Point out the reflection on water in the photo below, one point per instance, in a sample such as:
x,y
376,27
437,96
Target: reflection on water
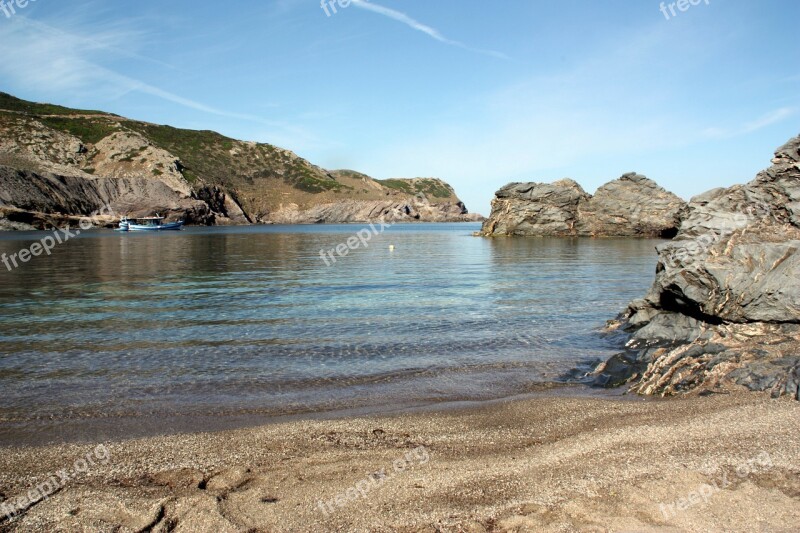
x,y
213,321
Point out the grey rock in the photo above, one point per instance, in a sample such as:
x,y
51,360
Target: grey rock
x,y
727,293
618,370
632,206
540,209
666,326
42,200
222,203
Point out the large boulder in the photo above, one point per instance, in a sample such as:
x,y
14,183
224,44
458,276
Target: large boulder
x,y
725,305
632,206
540,209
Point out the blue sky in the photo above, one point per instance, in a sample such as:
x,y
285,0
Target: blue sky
x,y
478,93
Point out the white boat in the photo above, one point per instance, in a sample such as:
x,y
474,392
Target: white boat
x,y
155,223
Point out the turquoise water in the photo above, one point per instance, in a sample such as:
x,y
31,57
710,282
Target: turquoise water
x,y
221,322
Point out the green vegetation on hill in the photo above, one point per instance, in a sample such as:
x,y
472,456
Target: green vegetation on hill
x,y
260,177
399,185
88,130
427,186
206,156
352,174
11,103
223,161
170,138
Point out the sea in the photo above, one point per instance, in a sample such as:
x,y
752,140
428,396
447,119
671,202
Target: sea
x,y
120,335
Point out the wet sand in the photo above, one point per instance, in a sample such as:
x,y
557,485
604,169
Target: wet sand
x,y
722,463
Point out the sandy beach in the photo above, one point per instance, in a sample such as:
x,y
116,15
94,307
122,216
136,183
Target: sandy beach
x,y
726,462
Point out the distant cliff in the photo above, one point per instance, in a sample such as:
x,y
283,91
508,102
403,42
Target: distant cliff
x,y
57,162
632,206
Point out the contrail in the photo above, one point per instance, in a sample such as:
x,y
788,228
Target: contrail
x,y
416,25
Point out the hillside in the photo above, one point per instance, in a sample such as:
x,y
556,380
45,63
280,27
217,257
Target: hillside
x,y
56,161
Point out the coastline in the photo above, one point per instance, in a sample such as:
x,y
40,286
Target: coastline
x,y
112,223
547,463
96,429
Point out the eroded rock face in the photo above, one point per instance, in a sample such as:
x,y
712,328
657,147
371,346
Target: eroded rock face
x,y
632,206
128,155
39,148
540,209
36,201
725,306
227,209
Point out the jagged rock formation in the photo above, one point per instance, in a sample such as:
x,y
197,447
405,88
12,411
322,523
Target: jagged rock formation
x,y
725,306
57,162
541,209
632,206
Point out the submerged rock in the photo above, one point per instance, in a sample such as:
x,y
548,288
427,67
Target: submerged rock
x,y
725,306
632,206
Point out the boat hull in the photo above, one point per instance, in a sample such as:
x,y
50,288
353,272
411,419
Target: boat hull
x,y
172,226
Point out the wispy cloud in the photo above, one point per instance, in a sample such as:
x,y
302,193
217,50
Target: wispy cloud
x,y
101,43
764,121
419,26
773,117
58,61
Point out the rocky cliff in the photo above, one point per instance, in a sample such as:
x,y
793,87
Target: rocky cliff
x,y
59,162
724,310
632,206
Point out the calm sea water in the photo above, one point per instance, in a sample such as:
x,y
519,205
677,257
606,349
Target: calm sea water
x,y
114,332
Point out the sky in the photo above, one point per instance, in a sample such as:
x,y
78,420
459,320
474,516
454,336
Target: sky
x,y
477,93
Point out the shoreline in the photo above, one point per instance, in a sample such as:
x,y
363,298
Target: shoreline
x,y
112,224
95,430
547,463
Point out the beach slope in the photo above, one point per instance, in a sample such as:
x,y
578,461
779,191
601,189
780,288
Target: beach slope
x,y
720,463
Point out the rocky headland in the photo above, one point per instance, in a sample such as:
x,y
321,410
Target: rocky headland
x,y
724,310
631,206
57,163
